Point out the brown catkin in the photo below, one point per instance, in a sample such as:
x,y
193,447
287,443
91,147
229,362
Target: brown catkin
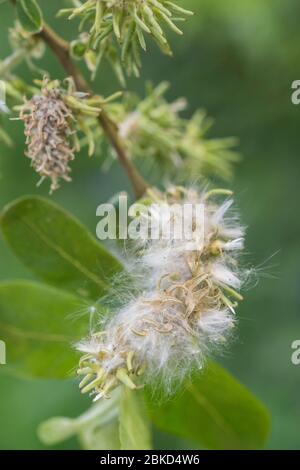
x,y
48,127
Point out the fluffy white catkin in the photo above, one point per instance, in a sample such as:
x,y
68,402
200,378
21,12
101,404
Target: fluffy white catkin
x,y
186,306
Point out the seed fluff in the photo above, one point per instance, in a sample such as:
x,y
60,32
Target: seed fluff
x,y
185,307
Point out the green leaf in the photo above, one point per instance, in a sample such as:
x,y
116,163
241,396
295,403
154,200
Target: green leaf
x,y
57,248
96,429
91,437
56,430
134,427
100,437
30,15
215,411
39,325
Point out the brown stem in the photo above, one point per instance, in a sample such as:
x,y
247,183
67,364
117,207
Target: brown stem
x,y
61,49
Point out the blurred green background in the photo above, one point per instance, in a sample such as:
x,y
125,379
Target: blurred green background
x,y
237,60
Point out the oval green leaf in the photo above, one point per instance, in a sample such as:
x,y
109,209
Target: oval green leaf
x,y
30,15
39,325
215,411
57,247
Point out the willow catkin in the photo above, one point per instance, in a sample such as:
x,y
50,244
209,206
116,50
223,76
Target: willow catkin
x,y
48,127
186,308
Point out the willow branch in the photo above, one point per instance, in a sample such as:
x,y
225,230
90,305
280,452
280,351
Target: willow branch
x,y
61,49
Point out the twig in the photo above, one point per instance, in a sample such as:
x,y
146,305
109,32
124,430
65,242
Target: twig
x,y
61,49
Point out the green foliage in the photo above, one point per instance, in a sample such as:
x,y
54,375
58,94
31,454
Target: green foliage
x,y
57,248
157,135
39,325
29,15
134,427
96,429
25,47
118,423
100,437
56,430
215,411
114,25
42,322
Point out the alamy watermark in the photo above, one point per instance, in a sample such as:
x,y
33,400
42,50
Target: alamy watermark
x,y
157,221
295,357
295,97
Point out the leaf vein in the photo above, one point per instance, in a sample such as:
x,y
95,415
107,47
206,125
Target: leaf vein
x,y
70,259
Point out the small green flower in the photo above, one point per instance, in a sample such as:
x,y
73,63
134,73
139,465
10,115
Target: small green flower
x,y
124,25
157,135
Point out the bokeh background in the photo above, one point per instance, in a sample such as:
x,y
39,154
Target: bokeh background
x,y
237,60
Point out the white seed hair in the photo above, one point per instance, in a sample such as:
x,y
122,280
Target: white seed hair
x,y
186,305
